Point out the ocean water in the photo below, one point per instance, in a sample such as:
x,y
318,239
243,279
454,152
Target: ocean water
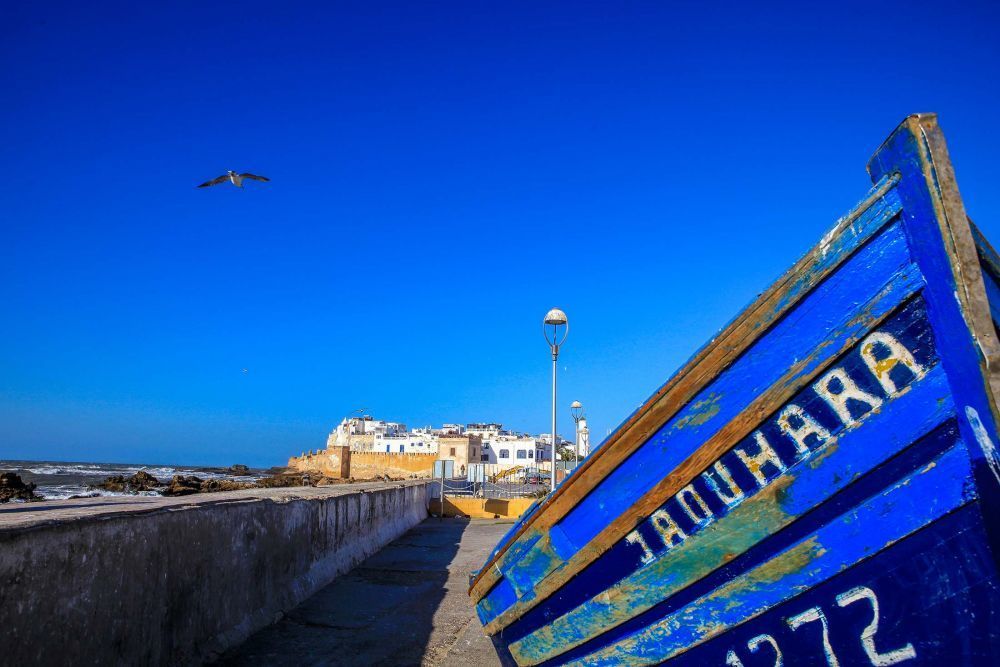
x,y
65,479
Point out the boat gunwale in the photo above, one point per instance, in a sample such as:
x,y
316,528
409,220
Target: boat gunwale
x,y
964,256
760,316
968,258
729,435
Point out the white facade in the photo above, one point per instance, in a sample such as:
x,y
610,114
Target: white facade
x,y
486,430
509,450
500,446
410,443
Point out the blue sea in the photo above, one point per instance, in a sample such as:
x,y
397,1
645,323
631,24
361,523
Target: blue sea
x,y
65,479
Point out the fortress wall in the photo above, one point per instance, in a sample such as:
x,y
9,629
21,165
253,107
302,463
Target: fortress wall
x,y
367,465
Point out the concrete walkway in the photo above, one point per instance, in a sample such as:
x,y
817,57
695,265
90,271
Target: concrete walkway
x,y
406,605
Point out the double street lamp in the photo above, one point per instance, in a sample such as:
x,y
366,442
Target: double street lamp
x,y
555,328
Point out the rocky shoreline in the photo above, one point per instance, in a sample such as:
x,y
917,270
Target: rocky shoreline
x,y
13,488
182,485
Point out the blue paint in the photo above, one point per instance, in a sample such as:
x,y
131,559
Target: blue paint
x,y
993,294
891,498
855,454
837,300
889,278
933,616
858,534
896,469
910,327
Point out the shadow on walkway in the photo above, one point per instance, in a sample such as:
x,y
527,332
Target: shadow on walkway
x,y
406,605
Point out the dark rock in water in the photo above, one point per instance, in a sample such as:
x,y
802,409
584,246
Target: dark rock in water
x,y
12,487
285,479
182,486
239,470
141,481
213,485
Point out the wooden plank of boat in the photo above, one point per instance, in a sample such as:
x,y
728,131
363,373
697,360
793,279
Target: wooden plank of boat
x,y
819,484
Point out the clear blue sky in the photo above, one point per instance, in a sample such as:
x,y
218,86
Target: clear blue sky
x,y
442,174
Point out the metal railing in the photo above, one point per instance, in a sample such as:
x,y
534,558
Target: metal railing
x,y
462,487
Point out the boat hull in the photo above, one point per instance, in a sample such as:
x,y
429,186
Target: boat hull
x,y
818,485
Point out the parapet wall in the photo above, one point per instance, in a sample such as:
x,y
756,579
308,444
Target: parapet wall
x,y
158,581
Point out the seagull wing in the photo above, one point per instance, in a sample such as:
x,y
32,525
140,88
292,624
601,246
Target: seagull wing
x,y
256,177
215,181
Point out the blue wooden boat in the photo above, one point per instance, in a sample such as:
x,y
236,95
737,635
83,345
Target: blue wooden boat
x,y
818,485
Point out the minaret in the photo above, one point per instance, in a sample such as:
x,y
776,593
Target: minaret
x,y
583,437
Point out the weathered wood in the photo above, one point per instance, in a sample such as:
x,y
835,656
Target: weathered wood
x,y
692,377
767,402
823,440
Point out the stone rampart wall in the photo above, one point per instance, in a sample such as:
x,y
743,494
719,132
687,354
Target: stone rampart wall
x,y
368,465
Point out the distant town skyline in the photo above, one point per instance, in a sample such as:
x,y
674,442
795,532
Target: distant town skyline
x,y
441,176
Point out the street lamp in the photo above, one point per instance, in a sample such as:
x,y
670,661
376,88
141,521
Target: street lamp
x,y
577,409
555,335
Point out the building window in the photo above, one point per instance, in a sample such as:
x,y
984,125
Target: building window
x,y
504,454
387,449
531,453
484,457
452,451
521,454
401,449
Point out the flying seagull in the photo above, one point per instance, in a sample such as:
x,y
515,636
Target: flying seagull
x,y
234,178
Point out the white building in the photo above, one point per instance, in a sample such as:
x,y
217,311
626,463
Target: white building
x,y
510,450
486,430
409,443
545,439
500,446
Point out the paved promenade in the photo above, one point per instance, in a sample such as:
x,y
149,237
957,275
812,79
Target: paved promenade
x,y
406,605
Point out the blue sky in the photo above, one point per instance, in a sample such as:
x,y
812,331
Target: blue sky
x,y
442,174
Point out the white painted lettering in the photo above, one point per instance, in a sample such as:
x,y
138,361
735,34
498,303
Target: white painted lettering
x,y
721,482
806,427
754,644
881,368
849,391
687,497
765,455
635,537
816,614
868,634
667,528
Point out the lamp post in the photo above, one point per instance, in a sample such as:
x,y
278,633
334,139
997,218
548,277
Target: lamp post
x,y
555,328
577,409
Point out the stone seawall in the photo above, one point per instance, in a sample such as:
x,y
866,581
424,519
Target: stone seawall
x,y
177,580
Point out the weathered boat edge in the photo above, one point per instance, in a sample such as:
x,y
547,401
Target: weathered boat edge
x,y
762,313
953,262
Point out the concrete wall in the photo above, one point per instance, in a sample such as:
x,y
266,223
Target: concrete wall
x,y
483,508
367,465
177,580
